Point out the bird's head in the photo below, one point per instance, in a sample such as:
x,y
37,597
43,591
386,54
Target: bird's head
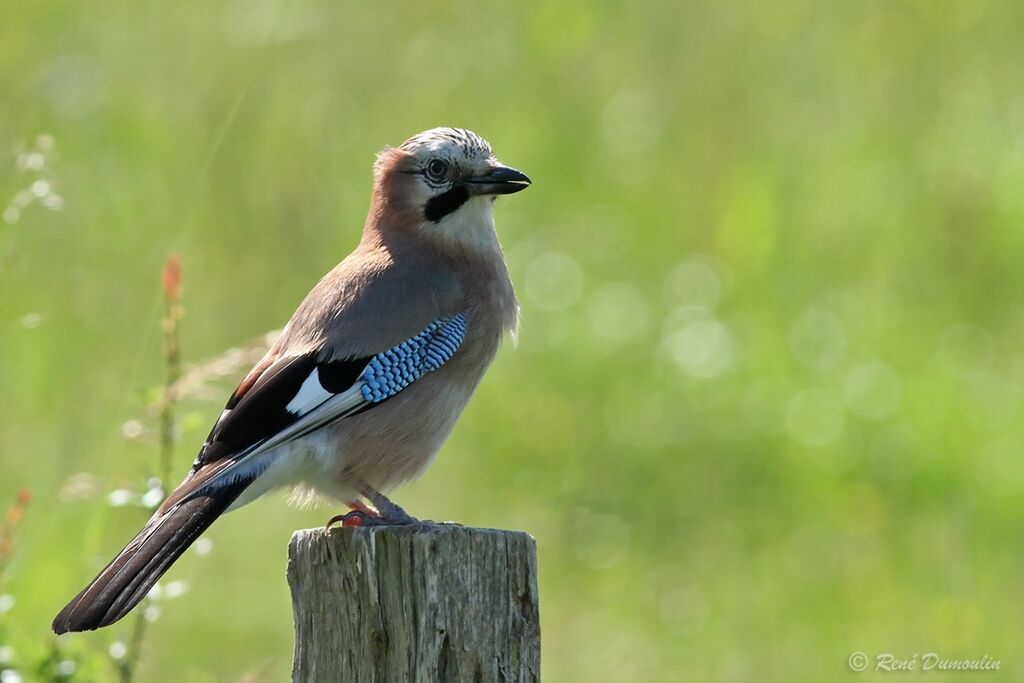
x,y
443,182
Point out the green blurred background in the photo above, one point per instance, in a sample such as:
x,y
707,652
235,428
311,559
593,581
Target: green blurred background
x,y
765,405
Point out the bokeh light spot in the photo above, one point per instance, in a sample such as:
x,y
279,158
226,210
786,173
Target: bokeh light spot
x,y
696,282
872,390
817,339
702,349
31,321
600,540
814,418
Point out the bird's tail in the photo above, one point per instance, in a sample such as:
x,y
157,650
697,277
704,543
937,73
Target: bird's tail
x,y
127,579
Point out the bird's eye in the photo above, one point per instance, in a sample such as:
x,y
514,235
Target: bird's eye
x,y
436,169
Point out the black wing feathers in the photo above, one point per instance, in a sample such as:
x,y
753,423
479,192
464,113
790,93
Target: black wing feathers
x,y
337,376
261,411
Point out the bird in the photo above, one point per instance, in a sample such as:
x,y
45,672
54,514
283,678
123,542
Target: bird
x,y
367,378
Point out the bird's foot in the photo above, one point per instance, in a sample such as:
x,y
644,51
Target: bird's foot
x,y
349,520
383,513
361,512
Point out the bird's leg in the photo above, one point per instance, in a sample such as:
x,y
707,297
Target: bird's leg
x,y
388,513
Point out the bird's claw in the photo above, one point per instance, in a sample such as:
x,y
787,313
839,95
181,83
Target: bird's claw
x,y
354,519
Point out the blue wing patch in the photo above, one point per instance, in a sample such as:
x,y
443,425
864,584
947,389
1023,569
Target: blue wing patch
x,y
389,372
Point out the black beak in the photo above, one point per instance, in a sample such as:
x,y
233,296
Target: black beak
x,y
498,180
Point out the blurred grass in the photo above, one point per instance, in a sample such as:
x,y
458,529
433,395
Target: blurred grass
x,y
764,410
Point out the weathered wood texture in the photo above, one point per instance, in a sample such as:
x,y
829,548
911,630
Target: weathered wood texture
x,y
430,603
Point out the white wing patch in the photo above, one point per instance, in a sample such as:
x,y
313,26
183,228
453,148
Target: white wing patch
x,y
310,395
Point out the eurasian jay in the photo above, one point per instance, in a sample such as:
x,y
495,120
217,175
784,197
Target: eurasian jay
x,y
368,377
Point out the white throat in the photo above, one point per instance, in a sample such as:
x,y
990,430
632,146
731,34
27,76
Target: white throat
x,y
470,226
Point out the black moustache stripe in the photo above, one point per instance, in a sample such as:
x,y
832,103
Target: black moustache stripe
x,y
445,203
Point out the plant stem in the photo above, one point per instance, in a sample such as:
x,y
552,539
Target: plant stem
x,y
134,650
172,358
172,355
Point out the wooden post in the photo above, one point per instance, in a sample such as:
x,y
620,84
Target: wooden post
x,y
425,603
